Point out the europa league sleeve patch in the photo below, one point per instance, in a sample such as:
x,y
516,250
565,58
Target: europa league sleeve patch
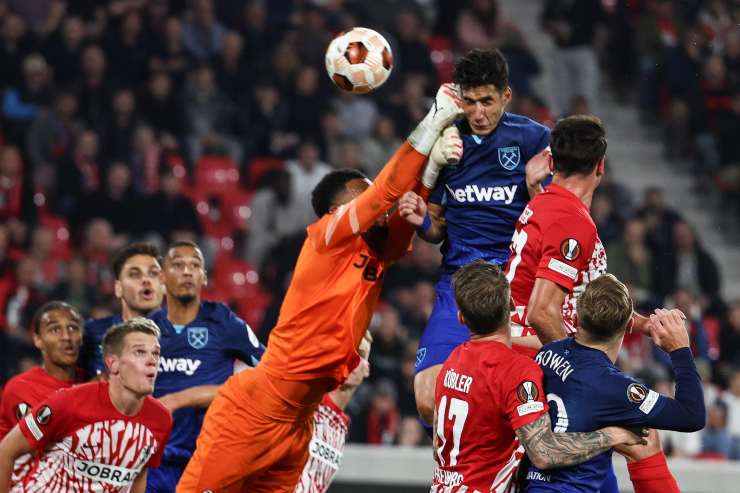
x,y
528,393
21,410
570,249
43,416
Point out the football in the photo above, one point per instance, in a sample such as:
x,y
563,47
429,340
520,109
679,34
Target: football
x,y
359,60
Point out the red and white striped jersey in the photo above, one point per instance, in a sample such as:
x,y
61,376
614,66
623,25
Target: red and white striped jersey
x,y
84,444
326,448
485,391
555,239
21,395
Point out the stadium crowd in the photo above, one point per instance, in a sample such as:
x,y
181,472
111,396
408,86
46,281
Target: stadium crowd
x,y
213,121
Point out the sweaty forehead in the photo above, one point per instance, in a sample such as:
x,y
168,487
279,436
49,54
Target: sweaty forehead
x,y
59,315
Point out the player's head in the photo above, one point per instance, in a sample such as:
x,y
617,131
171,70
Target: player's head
x,y
578,146
483,77
131,354
184,272
604,310
138,279
339,187
57,333
483,297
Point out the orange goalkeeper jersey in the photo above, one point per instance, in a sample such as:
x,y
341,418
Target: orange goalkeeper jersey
x,y
337,280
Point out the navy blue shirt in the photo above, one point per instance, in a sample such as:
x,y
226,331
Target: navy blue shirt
x,y
91,352
202,352
486,192
586,391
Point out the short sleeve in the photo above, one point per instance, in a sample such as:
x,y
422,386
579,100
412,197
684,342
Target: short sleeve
x,y
524,398
627,402
156,459
566,250
242,341
11,409
48,421
544,141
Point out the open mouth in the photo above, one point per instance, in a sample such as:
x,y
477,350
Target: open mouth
x,y
147,294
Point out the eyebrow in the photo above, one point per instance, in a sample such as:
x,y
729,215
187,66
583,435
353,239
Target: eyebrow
x,y
484,99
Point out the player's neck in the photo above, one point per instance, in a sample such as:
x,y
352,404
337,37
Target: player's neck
x,y
125,401
580,186
66,373
127,313
611,349
504,337
182,313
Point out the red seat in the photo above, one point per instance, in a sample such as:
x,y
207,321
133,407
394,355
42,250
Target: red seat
x,y
62,249
216,174
443,57
258,167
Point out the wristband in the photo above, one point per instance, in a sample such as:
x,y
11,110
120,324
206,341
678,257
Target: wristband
x,y
425,225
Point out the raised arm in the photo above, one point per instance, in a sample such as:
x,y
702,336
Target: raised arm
x,y
198,396
545,310
547,449
12,446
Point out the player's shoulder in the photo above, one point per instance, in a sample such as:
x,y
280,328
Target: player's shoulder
x,y
218,312
23,381
513,120
555,204
155,415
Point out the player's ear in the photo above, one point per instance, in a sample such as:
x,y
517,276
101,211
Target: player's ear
x,y
461,318
37,341
118,289
507,94
630,325
111,363
601,167
575,320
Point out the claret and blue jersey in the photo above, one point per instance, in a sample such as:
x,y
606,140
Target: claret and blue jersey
x,y
486,192
482,196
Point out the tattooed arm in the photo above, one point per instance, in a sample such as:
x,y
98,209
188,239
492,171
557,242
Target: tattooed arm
x,y
547,449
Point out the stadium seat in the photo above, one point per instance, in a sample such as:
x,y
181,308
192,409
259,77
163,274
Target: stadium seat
x,y
216,175
443,57
258,167
61,249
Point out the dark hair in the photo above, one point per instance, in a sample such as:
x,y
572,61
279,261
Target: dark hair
x,y
140,248
50,307
325,193
604,308
113,338
483,296
182,243
481,67
578,143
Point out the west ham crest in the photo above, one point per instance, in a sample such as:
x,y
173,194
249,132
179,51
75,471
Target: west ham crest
x,y
508,157
198,337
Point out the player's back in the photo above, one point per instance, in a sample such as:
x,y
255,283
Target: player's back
x,y
555,239
576,378
486,192
476,446
91,352
326,310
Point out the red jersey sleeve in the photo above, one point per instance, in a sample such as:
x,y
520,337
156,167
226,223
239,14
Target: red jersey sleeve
x,y
524,399
47,422
9,410
566,250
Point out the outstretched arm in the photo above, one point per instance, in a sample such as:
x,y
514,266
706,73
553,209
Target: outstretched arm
x,y
198,396
547,449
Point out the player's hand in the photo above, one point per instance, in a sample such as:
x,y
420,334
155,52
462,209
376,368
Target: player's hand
x,y
448,149
447,108
623,436
638,452
412,208
360,373
668,330
538,167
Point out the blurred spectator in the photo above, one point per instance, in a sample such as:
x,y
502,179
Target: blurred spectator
x,y
22,103
685,301
305,103
232,72
357,115
53,133
79,173
98,246
96,91
523,66
129,49
11,183
608,222
410,433
170,56
14,47
19,298
388,347
202,34
350,155
687,266
159,107
383,416
145,160
573,25
273,216
378,149
659,220
4,252
731,399
411,106
209,116
168,210
631,260
479,25
305,173
268,121
116,202
715,439
730,336
412,54
74,289
118,130
63,50
48,261
41,17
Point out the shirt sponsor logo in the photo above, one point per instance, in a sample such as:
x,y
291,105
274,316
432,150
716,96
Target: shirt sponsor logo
x,y
324,452
508,157
474,193
562,268
198,337
448,478
538,476
570,249
117,476
183,365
